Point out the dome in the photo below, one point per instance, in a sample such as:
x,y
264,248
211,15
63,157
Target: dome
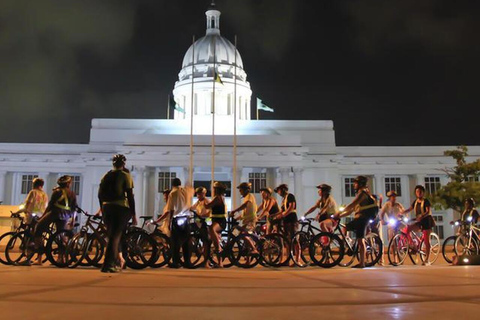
x,y
224,52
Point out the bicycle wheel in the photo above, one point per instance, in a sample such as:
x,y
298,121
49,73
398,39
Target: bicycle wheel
x,y
448,248
326,250
272,249
20,247
373,248
214,257
434,249
465,245
56,248
77,249
139,249
299,252
414,250
164,249
4,239
398,249
95,252
246,251
349,250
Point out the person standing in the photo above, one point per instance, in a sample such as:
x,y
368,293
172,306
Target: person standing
x,y
35,202
60,210
219,218
470,214
424,219
178,206
288,214
270,209
365,207
117,204
391,210
248,207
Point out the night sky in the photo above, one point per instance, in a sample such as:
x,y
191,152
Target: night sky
x,y
398,72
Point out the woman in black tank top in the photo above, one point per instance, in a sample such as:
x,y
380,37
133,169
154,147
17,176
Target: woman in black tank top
x,y
219,218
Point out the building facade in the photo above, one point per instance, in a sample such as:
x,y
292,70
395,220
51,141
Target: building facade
x,y
302,154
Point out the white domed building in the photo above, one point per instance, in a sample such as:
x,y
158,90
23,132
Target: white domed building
x,y
302,154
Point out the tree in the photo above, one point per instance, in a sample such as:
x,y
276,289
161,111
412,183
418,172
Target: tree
x,y
464,181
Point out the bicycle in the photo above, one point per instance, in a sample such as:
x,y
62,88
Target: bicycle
x,y
414,245
330,249
301,239
240,247
466,242
18,225
449,250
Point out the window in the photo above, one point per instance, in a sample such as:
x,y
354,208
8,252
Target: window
x,y
439,231
432,184
165,180
75,187
472,179
27,182
438,218
393,183
349,190
258,181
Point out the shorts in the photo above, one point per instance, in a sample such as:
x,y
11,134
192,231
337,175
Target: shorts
x,y
291,218
427,223
359,226
249,225
222,222
323,217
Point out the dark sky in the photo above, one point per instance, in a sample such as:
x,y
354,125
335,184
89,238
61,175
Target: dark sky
x,y
398,72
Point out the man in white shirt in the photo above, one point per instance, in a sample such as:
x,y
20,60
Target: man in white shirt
x,y
248,207
178,208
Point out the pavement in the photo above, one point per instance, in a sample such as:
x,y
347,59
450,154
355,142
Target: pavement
x,y
430,292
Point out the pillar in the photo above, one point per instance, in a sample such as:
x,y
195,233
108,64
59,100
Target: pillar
x,y
298,189
3,175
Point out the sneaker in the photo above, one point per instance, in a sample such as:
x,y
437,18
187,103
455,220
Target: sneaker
x,y
426,263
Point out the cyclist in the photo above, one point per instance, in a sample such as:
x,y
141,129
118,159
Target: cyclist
x,y
391,210
327,207
248,207
424,220
288,214
117,205
36,201
365,207
270,209
470,211
60,210
201,214
288,210
165,225
219,217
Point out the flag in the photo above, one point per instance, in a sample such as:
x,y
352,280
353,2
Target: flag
x,y
262,106
175,105
217,78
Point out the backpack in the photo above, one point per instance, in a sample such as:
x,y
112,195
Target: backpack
x,y
109,190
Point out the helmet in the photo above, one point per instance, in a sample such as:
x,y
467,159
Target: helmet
x,y
63,180
267,190
245,186
392,193
361,180
419,186
471,201
119,159
283,186
324,187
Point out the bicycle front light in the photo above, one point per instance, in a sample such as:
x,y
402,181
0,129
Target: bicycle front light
x,y
181,222
457,223
405,219
341,208
470,219
302,218
392,222
370,221
22,206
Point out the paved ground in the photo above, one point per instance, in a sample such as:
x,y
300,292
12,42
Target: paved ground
x,y
437,292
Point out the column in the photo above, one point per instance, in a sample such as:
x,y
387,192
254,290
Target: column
x,y
238,197
379,185
285,175
146,174
298,189
3,174
138,185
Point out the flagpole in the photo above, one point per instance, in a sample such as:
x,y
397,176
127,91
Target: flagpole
x,y
257,111
234,198
190,173
213,116
168,107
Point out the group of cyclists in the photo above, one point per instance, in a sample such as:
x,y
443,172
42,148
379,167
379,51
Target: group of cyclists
x,y
117,208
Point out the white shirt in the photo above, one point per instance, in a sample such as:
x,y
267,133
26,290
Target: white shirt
x,y
180,200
